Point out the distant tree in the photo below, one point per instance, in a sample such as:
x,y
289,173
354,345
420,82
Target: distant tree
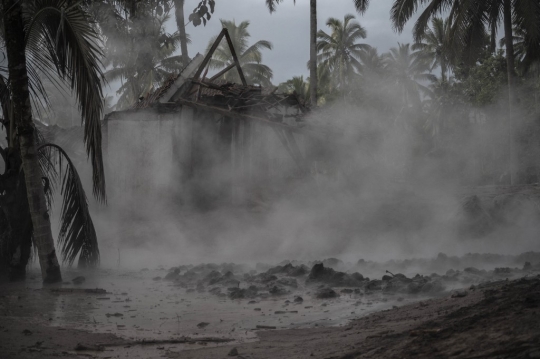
x,y
436,44
339,51
360,5
407,69
298,86
142,55
250,56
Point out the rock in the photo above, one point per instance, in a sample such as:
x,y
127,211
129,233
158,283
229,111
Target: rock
x,y
288,282
27,332
347,291
386,277
202,325
78,280
320,274
460,294
359,277
156,278
277,290
288,269
374,284
173,274
472,270
241,293
233,352
114,315
265,278
326,293
298,299
527,266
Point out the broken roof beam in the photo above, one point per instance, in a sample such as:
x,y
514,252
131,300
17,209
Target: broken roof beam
x,y
176,89
235,58
221,73
228,113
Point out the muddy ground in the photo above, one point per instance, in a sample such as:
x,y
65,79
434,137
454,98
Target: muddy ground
x,y
293,310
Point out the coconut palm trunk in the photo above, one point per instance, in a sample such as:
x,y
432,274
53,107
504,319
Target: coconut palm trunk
x,y
509,46
22,113
180,23
313,53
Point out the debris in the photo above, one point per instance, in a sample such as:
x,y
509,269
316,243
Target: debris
x,y
460,294
79,280
320,274
80,347
265,327
233,352
79,290
108,315
326,293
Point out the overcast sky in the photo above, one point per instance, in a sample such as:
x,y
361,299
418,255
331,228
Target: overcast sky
x,y
288,29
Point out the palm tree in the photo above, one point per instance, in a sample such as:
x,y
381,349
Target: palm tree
x,y
436,45
360,5
249,56
339,50
471,19
147,57
181,25
297,85
50,35
407,69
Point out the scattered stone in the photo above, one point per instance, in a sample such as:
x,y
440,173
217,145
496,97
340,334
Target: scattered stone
x,y
173,274
320,274
265,327
326,293
233,352
460,294
114,315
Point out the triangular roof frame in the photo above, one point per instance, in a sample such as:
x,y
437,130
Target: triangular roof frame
x,y
208,57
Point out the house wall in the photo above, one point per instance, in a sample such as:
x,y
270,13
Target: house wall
x,y
198,157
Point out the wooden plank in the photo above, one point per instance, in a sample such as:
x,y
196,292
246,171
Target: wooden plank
x,y
208,56
221,73
235,58
186,73
225,112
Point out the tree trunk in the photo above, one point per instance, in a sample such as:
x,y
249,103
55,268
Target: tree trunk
x,y
22,113
180,23
509,45
313,53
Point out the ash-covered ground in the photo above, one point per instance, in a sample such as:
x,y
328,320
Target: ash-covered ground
x,y
160,312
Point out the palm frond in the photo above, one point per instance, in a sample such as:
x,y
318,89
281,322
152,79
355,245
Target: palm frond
x,y
63,31
77,235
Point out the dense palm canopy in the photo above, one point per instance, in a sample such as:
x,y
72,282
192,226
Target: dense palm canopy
x,y
339,51
250,56
145,55
436,45
408,69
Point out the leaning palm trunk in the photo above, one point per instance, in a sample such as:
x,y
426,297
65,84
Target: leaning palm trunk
x,y
22,113
509,46
313,53
180,23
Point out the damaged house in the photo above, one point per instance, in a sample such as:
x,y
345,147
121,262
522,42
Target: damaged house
x,y
205,139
